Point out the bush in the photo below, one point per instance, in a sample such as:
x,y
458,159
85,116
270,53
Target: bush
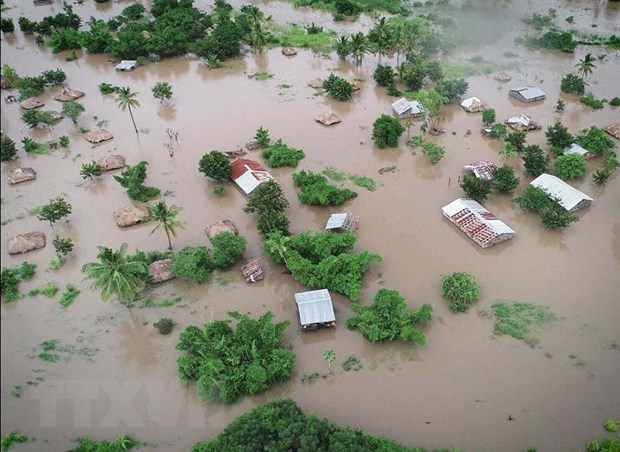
x,y
451,90
570,166
227,365
461,289
72,110
592,101
498,131
8,151
262,137
106,88
132,178
434,153
193,264
215,165
63,141
91,170
386,130
559,138
98,38
516,140
384,75
533,198
7,25
388,319
65,40
162,91
227,248
504,179
315,190
338,88
488,116
554,216
55,210
615,102
269,202
279,154
553,40
535,160
572,84
27,26
474,188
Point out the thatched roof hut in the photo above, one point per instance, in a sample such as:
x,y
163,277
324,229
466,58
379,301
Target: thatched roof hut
x,y
316,83
502,77
112,162
614,131
522,123
289,51
130,214
56,115
221,226
161,271
19,175
31,104
328,118
24,243
68,95
98,135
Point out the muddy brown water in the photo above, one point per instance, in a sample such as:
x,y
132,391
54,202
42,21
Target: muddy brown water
x,y
458,390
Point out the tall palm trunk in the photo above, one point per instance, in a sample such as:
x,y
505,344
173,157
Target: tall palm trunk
x,y
133,120
169,241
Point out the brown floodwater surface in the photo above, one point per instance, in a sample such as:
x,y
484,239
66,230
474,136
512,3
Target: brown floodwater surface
x,y
457,390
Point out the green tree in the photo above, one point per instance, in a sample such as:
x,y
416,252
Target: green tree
x,y
262,137
126,100
227,248
330,357
343,47
279,155
116,275
474,188
535,160
55,210
434,153
451,90
35,117
277,244
533,198
166,218
315,190
570,166
215,165
386,130
193,264
162,91
132,178
554,216
516,140
572,84
98,38
595,140
91,170
504,179
72,110
358,47
559,138
488,116
8,151
432,101
62,246
130,44
269,202
499,131
384,75
7,25
65,40
586,65
380,37
461,289
338,88
26,25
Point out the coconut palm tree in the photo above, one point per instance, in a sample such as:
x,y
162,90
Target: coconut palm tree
x,y
380,37
359,47
278,243
115,275
343,48
126,99
166,218
586,65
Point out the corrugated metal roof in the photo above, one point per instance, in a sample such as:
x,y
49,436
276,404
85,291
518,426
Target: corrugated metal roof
x,y
336,220
247,182
529,92
575,149
416,108
126,65
240,166
524,120
482,169
471,103
568,196
315,306
401,106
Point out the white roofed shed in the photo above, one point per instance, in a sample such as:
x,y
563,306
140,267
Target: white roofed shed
x,y
315,309
569,197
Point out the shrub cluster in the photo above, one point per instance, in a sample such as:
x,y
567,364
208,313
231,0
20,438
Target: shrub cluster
x,y
315,190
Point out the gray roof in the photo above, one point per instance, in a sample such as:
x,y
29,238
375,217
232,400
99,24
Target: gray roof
x,y
315,306
126,65
336,220
529,92
568,196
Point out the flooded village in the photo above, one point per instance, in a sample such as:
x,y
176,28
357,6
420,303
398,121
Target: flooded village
x,y
425,197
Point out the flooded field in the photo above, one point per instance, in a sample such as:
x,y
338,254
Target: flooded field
x,y
119,375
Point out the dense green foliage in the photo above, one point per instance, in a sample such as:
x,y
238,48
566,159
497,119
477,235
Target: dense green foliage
x,y
132,178
559,138
122,443
570,166
554,216
614,101
315,190
162,91
434,152
55,210
193,264
227,364
520,320
7,25
13,437
488,116
386,130
107,88
279,154
504,179
515,141
8,151
498,131
461,289
36,117
572,84
227,248
165,218
451,90
72,110
338,88
62,246
269,202
65,40
98,37
591,101
262,137
91,170
388,319
553,40
322,260
595,141
474,188
535,160
603,445
282,426
533,198
384,75
215,165
9,285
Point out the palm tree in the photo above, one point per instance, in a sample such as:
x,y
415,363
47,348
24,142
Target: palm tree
x,y
381,37
166,218
278,243
343,47
116,275
398,42
359,47
125,98
586,65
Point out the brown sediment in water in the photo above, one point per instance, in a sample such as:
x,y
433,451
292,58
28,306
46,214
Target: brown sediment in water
x,y
463,378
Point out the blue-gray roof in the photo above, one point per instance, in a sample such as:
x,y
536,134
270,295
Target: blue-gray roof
x,y
315,306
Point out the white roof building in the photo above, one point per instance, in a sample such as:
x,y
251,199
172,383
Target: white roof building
x,y
527,93
315,308
522,122
576,149
472,105
405,108
248,174
569,197
478,223
126,65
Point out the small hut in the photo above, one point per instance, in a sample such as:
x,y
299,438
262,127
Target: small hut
x,y
252,271
289,51
316,83
482,169
404,108
19,175
126,65
97,136
221,226
248,174
569,197
23,243
161,271
576,149
315,309
111,162
31,104
527,93
328,119
472,105
522,123
131,214
340,222
68,95
614,131
502,77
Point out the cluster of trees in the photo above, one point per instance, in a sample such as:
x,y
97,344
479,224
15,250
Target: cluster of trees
x,y
11,278
504,181
461,289
552,214
316,190
132,178
281,425
33,85
227,364
388,319
269,202
322,260
279,154
215,165
338,88
386,130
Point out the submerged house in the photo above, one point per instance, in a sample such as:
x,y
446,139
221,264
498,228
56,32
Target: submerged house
x,y
569,197
522,123
478,223
482,169
472,105
315,309
248,174
404,108
576,149
126,65
527,93
340,222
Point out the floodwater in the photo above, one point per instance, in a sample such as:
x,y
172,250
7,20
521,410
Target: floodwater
x,y
458,390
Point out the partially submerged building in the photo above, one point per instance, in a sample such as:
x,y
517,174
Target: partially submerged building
x,y
569,197
472,105
576,149
478,223
248,174
527,93
482,169
522,123
613,130
340,222
404,108
315,309
126,65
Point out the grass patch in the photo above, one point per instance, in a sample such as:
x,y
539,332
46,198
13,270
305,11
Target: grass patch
x,y
165,303
521,320
612,425
363,181
285,86
454,69
122,443
263,76
295,36
352,363
68,296
49,290
32,147
11,439
592,101
334,174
